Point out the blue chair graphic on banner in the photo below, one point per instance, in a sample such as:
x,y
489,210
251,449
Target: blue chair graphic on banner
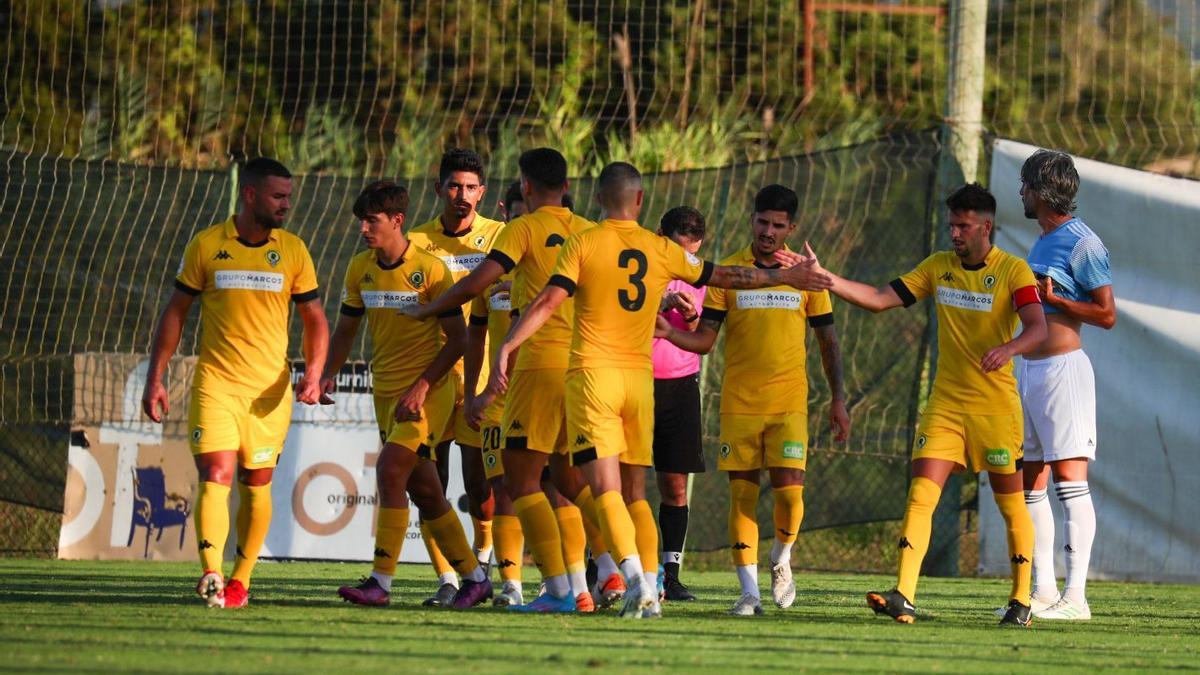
x,y
154,509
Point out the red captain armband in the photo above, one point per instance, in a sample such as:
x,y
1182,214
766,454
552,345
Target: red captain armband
x,y
1027,295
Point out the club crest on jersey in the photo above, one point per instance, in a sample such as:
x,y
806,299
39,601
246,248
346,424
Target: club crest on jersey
x,y
921,441
196,434
989,281
692,259
725,450
345,295
479,241
273,257
416,278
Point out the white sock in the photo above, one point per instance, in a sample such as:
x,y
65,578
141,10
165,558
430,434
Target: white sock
x,y
651,581
1079,530
675,557
606,566
516,585
748,578
484,556
631,567
477,574
448,578
1044,584
578,582
781,553
385,580
558,585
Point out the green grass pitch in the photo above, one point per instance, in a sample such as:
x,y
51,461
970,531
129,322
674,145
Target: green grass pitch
x,y
117,616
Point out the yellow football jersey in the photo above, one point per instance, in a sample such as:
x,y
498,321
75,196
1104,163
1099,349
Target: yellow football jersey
x,y
976,311
765,354
244,292
495,312
402,347
617,272
530,245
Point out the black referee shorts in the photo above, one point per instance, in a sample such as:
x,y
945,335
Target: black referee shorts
x,y
677,445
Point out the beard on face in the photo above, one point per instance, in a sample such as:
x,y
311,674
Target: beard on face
x,y
267,218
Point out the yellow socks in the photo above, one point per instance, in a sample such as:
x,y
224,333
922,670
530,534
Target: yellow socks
x,y
1020,542
923,497
451,538
510,547
253,520
483,539
743,524
541,533
212,524
789,512
574,544
391,526
441,566
646,533
616,525
591,521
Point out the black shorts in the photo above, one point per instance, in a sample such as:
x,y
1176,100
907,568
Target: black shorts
x,y
677,444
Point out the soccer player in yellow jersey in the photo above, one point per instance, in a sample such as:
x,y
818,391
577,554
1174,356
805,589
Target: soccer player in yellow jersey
x,y
617,272
534,423
413,396
764,395
460,236
973,419
245,271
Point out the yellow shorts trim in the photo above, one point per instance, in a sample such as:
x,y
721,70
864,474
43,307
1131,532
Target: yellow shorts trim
x,y
610,412
422,435
535,411
255,427
978,442
750,442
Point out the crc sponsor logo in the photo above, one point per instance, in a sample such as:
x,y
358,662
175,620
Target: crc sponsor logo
x,y
996,456
388,299
769,300
955,297
262,455
793,450
248,280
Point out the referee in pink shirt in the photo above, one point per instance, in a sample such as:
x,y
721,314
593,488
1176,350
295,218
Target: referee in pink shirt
x,y
677,446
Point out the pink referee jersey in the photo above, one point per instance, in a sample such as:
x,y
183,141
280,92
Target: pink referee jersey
x,y
670,361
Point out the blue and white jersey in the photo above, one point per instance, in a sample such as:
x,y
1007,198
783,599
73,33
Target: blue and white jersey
x,y
1074,257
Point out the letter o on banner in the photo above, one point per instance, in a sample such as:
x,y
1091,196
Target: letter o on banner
x,y
306,521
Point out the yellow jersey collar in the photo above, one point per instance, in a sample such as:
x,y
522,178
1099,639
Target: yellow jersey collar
x,y
232,233
621,224
747,256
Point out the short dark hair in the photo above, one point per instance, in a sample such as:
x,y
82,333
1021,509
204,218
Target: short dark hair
x,y
544,167
1051,175
776,197
971,197
618,175
513,194
460,159
255,171
684,221
382,196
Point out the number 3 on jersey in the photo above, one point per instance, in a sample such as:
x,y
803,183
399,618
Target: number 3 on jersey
x,y
634,258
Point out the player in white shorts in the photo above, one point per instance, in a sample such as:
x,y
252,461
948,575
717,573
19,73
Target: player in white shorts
x,y
1058,389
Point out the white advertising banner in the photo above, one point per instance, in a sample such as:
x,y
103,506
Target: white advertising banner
x,y
1146,477
130,484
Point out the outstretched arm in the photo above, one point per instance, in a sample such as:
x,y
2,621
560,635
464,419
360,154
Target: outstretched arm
x,y
699,341
166,340
339,350
831,362
484,275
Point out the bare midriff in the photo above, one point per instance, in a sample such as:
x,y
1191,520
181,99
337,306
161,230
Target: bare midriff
x,y
1062,336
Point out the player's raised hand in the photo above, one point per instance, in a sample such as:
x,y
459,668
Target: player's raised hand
x,y
328,386
839,420
996,358
308,389
1045,287
790,258
155,401
408,408
807,274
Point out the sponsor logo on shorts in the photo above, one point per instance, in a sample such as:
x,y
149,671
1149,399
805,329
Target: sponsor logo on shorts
x,y
248,280
955,297
793,450
724,450
989,281
581,440
196,434
921,440
490,460
388,299
997,456
273,257
417,279
769,300
515,426
261,455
